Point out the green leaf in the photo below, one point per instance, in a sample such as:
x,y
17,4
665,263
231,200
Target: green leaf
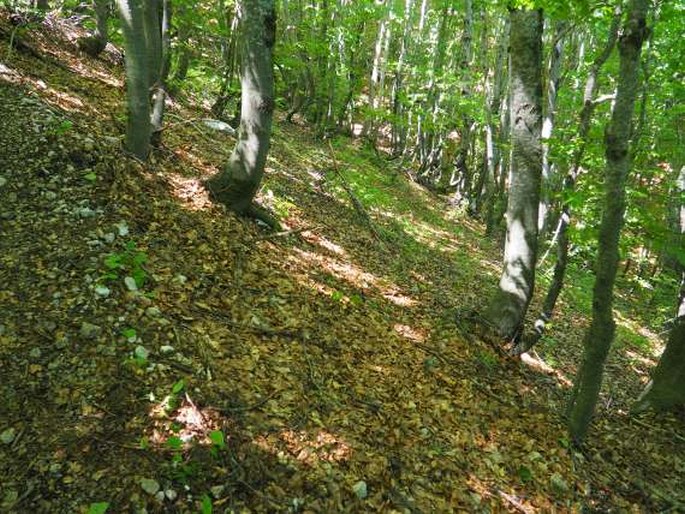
x,y
217,438
114,261
98,508
92,177
129,333
175,443
178,386
525,474
206,504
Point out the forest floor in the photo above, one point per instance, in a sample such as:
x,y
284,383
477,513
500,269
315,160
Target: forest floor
x,y
158,354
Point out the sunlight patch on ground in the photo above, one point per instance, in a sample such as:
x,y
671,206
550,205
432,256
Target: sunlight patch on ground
x,y
187,421
410,333
206,169
304,447
9,74
535,362
353,275
189,191
321,241
342,270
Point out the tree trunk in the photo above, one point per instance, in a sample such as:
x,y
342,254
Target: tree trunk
x,y
561,233
667,387
508,308
137,78
239,181
94,44
617,136
159,87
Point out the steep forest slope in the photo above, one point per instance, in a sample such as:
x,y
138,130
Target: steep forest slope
x,y
158,353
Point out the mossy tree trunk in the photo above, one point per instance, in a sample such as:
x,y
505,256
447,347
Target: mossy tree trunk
x,y
617,150
508,308
237,184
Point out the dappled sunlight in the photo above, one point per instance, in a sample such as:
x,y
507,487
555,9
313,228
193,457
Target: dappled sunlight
x,y
306,448
343,270
535,362
61,99
189,191
323,242
413,334
205,169
182,418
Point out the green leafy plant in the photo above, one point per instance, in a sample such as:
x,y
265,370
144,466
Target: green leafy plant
x,y
128,262
98,508
206,505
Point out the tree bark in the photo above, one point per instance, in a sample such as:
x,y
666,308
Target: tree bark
x,y
667,387
239,181
137,77
617,136
561,233
508,308
95,43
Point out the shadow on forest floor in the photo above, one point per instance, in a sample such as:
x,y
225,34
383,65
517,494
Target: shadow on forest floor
x,y
152,343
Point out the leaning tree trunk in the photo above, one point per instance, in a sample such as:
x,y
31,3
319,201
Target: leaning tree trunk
x,y
617,136
508,308
239,181
137,85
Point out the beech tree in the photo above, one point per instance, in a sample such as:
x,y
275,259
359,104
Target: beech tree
x,y
508,308
666,389
599,336
236,185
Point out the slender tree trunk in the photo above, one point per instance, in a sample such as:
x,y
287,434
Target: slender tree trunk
x,y
508,308
617,136
95,44
159,88
137,78
239,181
561,234
553,81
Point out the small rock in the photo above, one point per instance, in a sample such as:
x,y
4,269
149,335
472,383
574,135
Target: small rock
x,y
153,312
35,353
122,228
180,279
8,436
558,483
167,349
217,491
103,291
85,212
149,485
130,284
141,352
109,237
160,496
360,489
89,331
171,494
